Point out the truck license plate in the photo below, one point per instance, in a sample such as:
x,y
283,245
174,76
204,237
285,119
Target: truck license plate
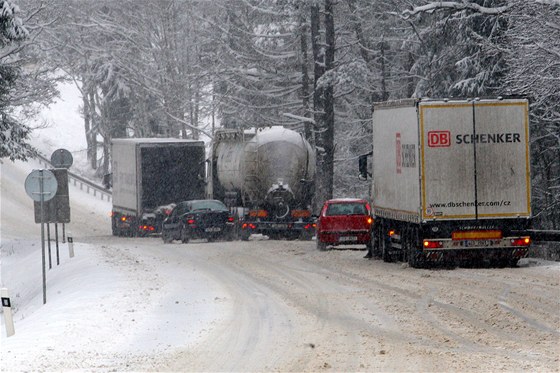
x,y
213,229
347,238
477,243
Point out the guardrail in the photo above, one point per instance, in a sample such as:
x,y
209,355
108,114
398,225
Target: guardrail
x,y
545,235
89,186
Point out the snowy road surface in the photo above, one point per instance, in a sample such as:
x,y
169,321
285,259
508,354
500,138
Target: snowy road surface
x,y
138,305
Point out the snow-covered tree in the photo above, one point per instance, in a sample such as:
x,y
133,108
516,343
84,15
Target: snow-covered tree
x,y
534,71
13,135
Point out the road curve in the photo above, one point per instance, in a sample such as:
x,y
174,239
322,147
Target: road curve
x,y
293,308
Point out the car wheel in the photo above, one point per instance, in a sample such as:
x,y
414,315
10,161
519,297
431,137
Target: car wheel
x,y
184,235
321,246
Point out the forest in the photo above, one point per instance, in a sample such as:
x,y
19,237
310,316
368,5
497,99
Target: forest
x,y
182,68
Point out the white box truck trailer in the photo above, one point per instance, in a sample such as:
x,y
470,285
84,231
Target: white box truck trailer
x,y
148,173
451,180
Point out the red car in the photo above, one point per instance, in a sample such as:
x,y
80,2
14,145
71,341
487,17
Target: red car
x,y
345,221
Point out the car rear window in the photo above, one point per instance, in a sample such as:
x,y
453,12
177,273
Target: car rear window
x,y
351,208
211,205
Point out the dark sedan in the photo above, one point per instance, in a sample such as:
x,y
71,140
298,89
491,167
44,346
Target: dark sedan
x,y
198,219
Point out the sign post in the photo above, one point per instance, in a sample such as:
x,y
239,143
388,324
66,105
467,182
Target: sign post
x,y
56,240
41,186
59,212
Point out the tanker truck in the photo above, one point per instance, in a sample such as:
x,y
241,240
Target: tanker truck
x,y
267,175
451,181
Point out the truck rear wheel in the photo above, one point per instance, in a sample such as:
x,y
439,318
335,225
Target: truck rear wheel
x,y
376,239
411,248
385,244
245,236
166,237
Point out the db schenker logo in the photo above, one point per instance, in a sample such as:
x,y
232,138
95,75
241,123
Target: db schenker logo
x,y
439,139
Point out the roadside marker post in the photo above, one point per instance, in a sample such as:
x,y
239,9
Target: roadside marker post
x,y
7,310
70,240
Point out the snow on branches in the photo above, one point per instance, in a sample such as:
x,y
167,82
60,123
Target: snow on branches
x,y
455,5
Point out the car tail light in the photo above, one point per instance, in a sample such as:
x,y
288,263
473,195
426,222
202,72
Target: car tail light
x,y
248,226
230,219
391,232
429,244
523,241
123,218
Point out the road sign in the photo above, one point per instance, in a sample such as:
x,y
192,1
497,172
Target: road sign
x,y
41,183
56,210
61,158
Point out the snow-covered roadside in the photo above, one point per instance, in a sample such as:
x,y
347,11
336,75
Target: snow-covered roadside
x,y
104,307
103,313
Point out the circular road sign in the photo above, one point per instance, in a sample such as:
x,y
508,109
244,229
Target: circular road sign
x,y
33,185
61,158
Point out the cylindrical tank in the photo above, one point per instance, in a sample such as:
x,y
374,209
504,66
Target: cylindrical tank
x,y
274,166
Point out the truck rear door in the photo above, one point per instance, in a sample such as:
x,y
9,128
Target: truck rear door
x,y
474,159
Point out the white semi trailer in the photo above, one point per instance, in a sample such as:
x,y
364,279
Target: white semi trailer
x,y
151,172
451,181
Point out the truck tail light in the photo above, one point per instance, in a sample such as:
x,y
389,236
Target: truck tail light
x,y
301,213
522,241
123,218
258,213
369,220
431,244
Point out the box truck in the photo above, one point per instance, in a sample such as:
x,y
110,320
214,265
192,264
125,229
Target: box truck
x,y
149,174
451,181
